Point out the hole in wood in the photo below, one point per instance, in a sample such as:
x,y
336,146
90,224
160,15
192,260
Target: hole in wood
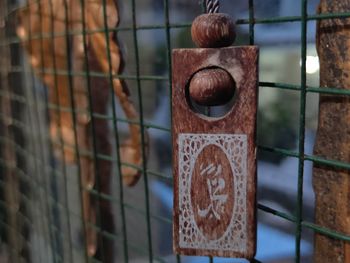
x,y
210,92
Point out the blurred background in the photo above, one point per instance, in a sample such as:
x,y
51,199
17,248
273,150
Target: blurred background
x,y
278,126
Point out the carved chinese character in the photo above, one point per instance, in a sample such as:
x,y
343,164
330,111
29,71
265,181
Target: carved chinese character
x,y
215,186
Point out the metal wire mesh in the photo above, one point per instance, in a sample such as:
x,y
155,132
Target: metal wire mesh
x,y
38,222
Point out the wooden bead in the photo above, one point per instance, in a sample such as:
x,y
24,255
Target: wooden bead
x,y
213,31
212,87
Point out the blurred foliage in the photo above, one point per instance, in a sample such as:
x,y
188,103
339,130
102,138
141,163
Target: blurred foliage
x,y
276,128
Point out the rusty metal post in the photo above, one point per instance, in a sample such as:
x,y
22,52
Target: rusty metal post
x,y
332,185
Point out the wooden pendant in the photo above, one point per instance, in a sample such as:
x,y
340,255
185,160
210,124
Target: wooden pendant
x,y
214,158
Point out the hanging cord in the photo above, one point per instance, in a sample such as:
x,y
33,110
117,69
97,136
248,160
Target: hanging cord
x,y
212,6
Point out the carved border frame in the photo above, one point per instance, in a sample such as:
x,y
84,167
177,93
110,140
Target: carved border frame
x,y
235,148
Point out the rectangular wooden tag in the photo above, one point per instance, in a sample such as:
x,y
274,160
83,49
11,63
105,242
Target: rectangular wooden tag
x,y
214,159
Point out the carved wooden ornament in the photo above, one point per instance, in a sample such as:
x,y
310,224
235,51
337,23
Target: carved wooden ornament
x,y
215,157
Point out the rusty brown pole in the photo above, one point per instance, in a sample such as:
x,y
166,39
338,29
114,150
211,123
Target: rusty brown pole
x,y
332,185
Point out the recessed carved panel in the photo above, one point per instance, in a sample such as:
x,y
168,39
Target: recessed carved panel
x,y
212,182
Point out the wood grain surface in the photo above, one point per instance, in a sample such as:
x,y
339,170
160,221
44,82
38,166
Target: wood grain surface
x,y
332,185
213,31
219,200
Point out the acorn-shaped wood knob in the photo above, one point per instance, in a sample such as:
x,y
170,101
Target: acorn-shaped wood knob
x,y
213,30
212,87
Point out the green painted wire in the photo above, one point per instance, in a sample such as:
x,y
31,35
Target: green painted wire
x,y
116,138
326,231
316,228
286,86
284,152
251,22
31,96
262,207
301,150
28,200
169,60
74,120
61,142
281,151
93,132
22,198
42,151
143,139
285,19
303,89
